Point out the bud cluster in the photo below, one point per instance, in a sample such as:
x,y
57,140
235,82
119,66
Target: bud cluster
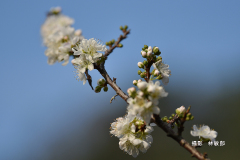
x,y
160,71
101,84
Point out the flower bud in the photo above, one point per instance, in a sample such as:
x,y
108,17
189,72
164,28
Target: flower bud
x,y
140,93
131,91
135,82
142,85
181,110
144,54
120,45
156,51
140,65
121,27
101,82
156,73
139,80
159,58
142,75
145,62
145,46
73,61
125,27
78,32
107,43
113,41
159,77
98,89
170,118
139,72
105,89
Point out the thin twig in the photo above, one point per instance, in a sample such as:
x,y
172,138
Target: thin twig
x,y
121,37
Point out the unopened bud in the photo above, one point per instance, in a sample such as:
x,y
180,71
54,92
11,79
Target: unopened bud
x,y
120,45
140,65
181,110
142,75
125,27
156,72
131,91
105,89
159,77
145,62
144,54
98,89
142,85
139,72
145,46
78,32
135,82
73,61
139,80
121,27
159,58
101,82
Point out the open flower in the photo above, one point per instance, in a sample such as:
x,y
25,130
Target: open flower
x,y
163,69
133,134
90,47
204,132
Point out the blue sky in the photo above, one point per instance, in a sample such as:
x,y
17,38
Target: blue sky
x,y
198,39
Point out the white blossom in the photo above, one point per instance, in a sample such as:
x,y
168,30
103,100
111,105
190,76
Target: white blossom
x,y
141,106
83,62
90,47
133,134
156,91
163,69
59,36
204,132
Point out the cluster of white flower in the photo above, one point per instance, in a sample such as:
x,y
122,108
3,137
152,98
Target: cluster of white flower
x,y
204,132
59,37
133,133
89,53
142,104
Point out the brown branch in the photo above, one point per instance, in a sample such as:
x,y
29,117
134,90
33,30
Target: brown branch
x,y
118,90
121,37
89,78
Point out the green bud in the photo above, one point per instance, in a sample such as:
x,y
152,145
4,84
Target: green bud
x,y
159,77
156,51
121,27
142,75
192,117
145,62
159,58
107,43
145,46
98,89
173,115
113,41
170,118
125,27
189,115
187,118
105,89
153,71
165,118
120,45
139,72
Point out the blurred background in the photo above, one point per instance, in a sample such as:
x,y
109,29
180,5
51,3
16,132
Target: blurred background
x,y
46,114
